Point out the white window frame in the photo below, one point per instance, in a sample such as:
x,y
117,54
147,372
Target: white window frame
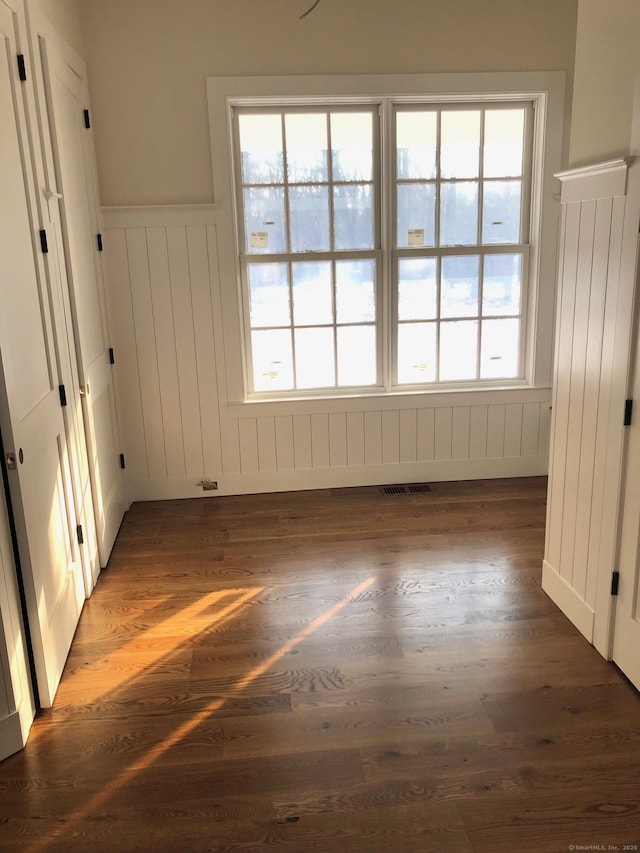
x,y
544,89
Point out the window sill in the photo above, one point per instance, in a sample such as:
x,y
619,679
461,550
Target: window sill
x,y
376,400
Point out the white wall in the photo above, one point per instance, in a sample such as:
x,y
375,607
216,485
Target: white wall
x,y
148,60
606,66
64,16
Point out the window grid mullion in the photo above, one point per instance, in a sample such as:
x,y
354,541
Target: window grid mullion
x,y
437,320
334,315
285,166
330,186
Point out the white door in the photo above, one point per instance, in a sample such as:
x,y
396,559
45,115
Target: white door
x,y
65,89
30,411
17,708
626,638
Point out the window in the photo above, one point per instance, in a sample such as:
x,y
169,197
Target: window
x,y
385,243
310,246
461,221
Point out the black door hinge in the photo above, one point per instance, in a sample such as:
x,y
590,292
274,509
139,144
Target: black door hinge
x,y
112,358
99,239
63,395
615,580
43,242
628,412
122,465
80,535
87,120
22,68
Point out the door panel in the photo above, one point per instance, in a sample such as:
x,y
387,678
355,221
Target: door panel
x,y
17,708
30,410
70,140
626,637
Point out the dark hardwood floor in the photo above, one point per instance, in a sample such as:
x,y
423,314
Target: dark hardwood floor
x,y
339,671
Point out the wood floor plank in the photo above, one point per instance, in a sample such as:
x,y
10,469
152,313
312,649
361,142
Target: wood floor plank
x,y
336,671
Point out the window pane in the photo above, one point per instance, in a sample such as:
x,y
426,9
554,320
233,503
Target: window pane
x,y
416,353
416,140
312,292
306,141
500,344
268,295
458,350
353,216
417,289
459,214
416,215
315,358
355,291
459,290
272,360
357,355
261,147
352,146
501,212
502,284
460,144
309,216
264,220
503,143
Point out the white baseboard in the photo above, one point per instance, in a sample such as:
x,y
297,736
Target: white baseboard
x,y
567,599
339,477
10,735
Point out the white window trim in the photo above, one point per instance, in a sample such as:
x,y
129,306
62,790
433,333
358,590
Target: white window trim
x,y
545,89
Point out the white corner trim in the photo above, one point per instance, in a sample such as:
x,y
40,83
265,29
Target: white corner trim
x,y
149,216
600,180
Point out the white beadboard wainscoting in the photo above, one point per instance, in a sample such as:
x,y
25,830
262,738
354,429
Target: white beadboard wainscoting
x,y
594,323
179,427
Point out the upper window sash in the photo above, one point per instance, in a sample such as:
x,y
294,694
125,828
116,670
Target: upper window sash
x,y
302,171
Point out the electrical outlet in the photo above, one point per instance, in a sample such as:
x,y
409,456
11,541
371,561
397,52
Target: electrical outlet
x,y
208,485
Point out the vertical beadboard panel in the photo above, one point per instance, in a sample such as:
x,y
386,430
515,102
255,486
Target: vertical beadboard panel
x,y
568,564
146,351
495,431
320,455
248,437
267,455
202,269
597,280
544,430
184,329
530,429
165,347
338,439
586,525
443,433
426,435
284,442
127,368
478,432
513,429
460,432
355,438
230,443
390,437
174,389
562,385
302,441
408,435
609,440
373,438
